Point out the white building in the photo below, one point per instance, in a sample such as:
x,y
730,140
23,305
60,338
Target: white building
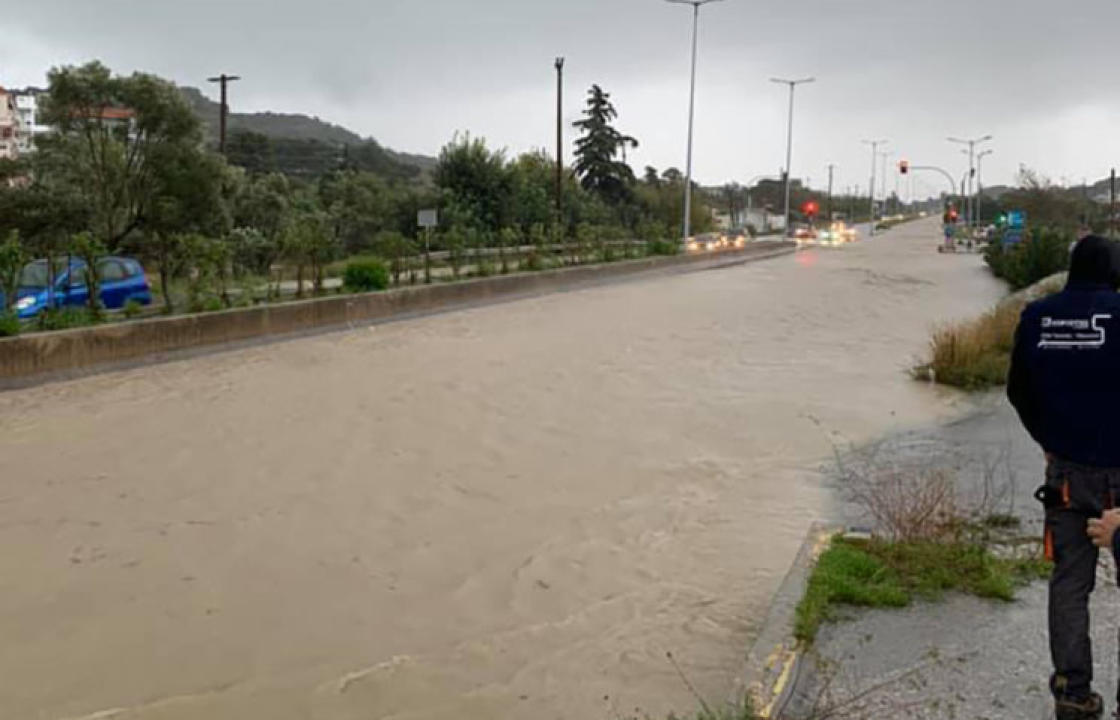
x,y
9,126
27,107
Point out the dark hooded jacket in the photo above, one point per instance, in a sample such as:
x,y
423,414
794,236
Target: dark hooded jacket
x,y
1065,367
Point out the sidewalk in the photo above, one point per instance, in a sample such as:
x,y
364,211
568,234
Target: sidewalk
x,y
962,657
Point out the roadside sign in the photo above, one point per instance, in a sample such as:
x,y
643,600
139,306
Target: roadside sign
x,y
427,218
1013,237
1016,219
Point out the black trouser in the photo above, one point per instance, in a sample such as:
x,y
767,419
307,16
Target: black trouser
x,y
1081,493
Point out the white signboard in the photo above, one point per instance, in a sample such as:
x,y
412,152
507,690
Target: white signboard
x,y
427,218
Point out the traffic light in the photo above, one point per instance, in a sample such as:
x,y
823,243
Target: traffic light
x,y
904,167
811,208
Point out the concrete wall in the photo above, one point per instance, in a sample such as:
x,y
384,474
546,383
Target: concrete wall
x,y
38,357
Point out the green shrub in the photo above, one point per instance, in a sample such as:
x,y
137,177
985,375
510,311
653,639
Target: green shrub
x,y
663,247
65,318
533,262
367,275
9,324
132,308
1042,253
484,268
212,304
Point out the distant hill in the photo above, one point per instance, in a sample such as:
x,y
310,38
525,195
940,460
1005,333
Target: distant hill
x,y
302,145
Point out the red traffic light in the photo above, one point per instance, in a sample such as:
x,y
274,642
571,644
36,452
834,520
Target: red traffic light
x,y
810,207
904,166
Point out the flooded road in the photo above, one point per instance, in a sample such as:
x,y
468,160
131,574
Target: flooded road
x,y
510,512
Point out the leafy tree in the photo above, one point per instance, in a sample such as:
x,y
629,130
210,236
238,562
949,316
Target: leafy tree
x,y
476,179
359,206
113,132
533,180
308,242
455,240
90,250
396,248
185,202
597,148
252,151
13,257
265,205
507,238
250,251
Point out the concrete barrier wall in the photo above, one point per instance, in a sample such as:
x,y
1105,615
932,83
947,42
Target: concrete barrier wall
x,y
38,357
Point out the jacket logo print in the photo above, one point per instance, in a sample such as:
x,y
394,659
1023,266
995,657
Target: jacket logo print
x,y
1074,334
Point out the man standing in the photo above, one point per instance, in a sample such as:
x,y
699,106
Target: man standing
x,y
1065,385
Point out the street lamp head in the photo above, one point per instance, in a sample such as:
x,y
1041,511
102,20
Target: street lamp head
x,y
559,63
791,83
694,3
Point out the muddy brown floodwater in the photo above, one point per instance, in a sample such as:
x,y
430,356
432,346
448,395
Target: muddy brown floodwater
x,y
508,512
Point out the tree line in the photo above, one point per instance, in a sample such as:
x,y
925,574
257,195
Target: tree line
x,y
126,170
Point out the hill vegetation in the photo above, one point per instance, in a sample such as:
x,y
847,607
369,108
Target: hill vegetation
x,y
300,145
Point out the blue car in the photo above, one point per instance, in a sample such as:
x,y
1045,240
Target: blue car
x,y
122,280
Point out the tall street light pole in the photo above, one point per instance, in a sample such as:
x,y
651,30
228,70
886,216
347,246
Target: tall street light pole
x,y
871,188
691,110
883,178
831,171
980,183
559,139
789,138
971,167
224,80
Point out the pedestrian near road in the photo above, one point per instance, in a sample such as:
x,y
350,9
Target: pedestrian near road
x,y
1065,385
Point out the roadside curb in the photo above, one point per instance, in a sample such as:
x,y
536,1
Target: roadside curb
x,y
774,661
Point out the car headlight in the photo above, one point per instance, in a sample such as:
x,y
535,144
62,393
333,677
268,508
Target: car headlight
x,y
26,303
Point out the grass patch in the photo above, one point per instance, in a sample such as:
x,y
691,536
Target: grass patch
x,y
882,574
976,354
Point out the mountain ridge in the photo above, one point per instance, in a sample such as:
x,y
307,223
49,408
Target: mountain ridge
x,y
292,127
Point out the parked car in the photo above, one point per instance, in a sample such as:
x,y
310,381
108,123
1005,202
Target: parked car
x,y
122,280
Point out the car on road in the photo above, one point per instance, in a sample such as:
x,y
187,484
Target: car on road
x,y
122,281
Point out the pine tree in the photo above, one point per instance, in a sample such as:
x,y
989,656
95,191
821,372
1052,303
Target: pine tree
x,y
598,147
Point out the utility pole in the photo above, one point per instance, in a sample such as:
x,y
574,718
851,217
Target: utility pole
x,y
871,188
224,80
831,170
691,111
789,140
559,139
971,210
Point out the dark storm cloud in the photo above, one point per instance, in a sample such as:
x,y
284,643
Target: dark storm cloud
x,y
1035,74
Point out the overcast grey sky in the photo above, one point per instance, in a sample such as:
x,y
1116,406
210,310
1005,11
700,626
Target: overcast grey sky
x,y
1037,74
